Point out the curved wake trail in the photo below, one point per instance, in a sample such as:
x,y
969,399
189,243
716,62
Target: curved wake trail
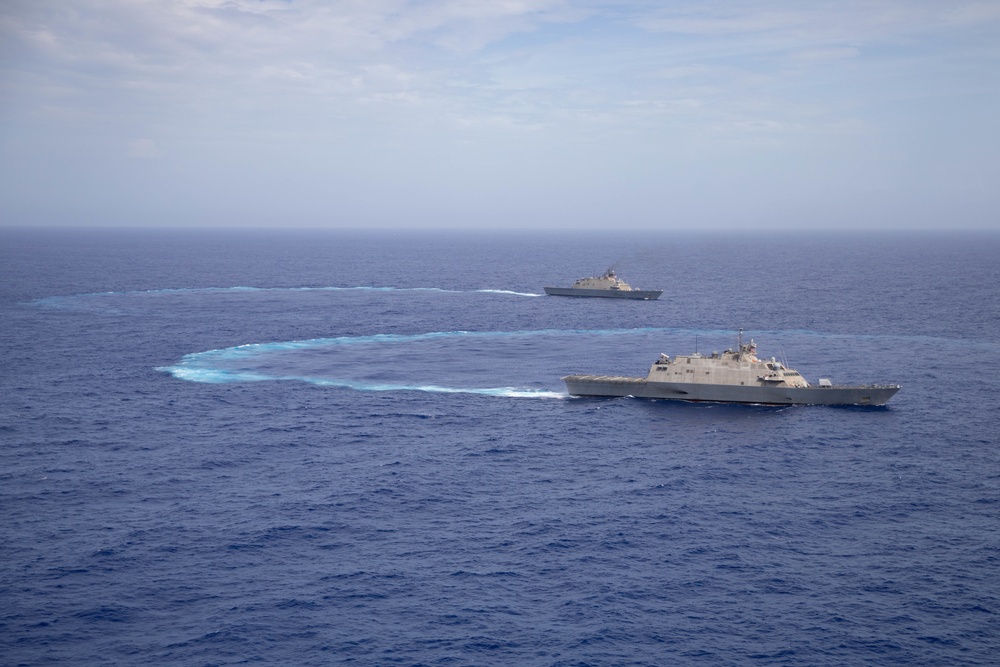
x,y
215,376
214,366
255,348
444,369
60,300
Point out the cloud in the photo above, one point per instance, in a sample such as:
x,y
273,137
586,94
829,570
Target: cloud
x,y
416,93
827,55
143,148
232,56
210,56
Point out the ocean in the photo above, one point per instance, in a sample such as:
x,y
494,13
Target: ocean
x,y
226,447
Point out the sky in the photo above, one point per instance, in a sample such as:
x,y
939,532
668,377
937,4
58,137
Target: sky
x,y
515,114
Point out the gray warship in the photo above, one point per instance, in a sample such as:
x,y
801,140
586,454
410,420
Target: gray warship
x,y
608,285
734,376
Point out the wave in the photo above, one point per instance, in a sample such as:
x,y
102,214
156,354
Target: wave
x,y
219,376
196,360
60,300
243,363
73,301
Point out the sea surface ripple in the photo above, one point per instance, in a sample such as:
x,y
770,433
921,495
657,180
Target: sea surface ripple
x,y
314,448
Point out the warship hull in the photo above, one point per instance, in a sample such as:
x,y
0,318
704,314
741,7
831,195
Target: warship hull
x,y
647,295
602,385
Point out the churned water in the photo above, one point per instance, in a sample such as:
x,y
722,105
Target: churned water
x,y
312,448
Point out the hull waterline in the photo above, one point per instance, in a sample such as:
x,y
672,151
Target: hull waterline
x,y
595,385
647,295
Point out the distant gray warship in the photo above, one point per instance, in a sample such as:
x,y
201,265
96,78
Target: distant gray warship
x,y
729,377
608,285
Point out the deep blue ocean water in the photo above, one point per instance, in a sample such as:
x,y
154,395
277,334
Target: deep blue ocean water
x,y
311,448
